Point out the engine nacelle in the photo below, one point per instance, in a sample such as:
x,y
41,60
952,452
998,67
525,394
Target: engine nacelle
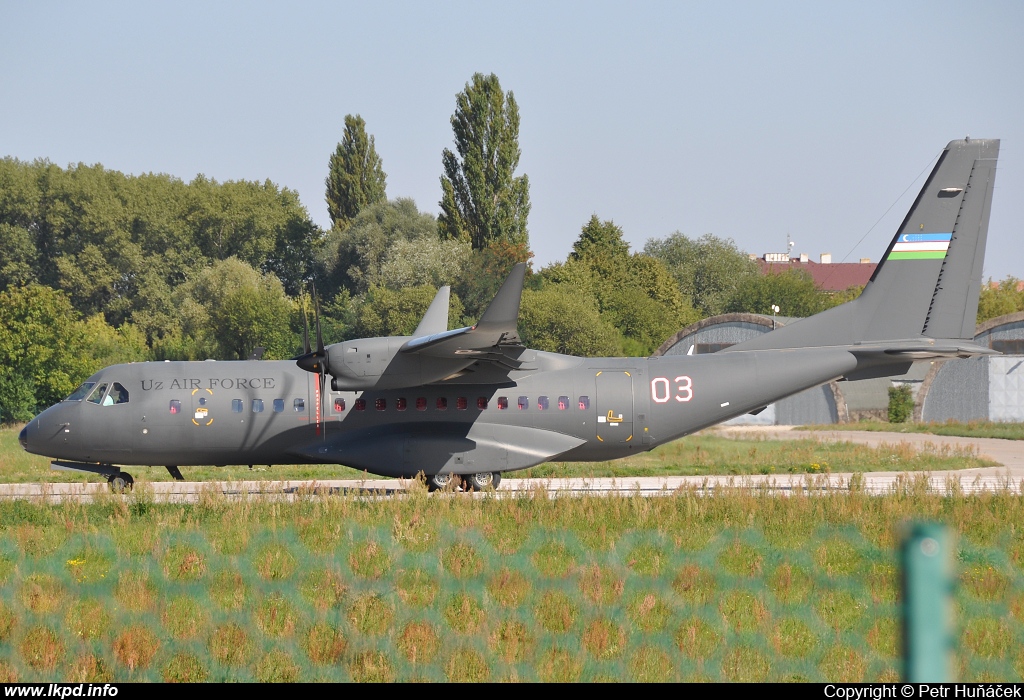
x,y
377,363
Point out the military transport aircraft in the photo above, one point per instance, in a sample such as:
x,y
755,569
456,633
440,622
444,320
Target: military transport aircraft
x,y
464,406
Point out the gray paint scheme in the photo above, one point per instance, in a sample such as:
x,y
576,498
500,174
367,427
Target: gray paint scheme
x,y
616,406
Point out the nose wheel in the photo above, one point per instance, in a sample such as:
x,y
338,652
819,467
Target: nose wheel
x,y
121,482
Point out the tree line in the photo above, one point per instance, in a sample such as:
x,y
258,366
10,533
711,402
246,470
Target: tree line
x,y
98,267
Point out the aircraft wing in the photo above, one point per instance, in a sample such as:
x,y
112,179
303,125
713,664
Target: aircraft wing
x,y
496,331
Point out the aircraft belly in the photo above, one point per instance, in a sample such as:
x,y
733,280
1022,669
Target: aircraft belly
x,y
459,448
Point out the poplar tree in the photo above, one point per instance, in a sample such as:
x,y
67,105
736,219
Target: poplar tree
x,y
355,175
482,201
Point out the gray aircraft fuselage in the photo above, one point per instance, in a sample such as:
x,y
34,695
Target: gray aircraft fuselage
x,y
265,412
474,401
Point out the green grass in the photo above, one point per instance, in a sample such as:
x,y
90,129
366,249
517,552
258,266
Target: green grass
x,y
976,429
708,454
643,602
697,455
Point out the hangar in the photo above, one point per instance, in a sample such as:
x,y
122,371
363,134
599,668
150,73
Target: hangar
x,y
982,388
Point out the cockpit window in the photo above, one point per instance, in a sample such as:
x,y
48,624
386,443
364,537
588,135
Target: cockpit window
x,y
96,396
118,393
81,391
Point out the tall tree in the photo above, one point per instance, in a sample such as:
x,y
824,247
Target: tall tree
x,y
481,200
355,177
708,269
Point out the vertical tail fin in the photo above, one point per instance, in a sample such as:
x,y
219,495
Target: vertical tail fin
x,y
929,279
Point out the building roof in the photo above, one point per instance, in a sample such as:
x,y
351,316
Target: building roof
x,y
830,277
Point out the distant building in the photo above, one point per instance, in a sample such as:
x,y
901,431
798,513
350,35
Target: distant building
x,y
827,275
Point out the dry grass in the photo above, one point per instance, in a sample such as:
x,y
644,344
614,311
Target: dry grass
x,y
135,647
419,642
800,588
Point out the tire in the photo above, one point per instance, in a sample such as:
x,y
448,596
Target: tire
x,y
483,481
441,482
121,483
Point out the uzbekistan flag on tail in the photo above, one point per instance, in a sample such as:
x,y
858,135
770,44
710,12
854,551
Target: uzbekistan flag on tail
x,y
920,246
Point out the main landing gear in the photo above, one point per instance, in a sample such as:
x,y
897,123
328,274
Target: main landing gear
x,y
464,482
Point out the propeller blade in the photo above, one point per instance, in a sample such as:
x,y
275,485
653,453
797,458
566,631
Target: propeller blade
x,y
316,317
313,360
305,331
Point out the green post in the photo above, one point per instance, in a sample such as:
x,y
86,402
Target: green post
x,y
926,558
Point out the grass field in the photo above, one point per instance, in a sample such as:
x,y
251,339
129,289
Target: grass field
x,y
702,454
733,587
976,429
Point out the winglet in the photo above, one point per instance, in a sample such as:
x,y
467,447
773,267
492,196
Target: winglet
x,y
435,320
503,311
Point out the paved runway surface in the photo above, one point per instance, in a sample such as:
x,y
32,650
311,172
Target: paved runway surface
x,y
1008,453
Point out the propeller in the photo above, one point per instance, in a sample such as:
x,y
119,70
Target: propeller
x,y
314,361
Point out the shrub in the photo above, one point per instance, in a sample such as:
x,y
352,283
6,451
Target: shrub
x,y
901,403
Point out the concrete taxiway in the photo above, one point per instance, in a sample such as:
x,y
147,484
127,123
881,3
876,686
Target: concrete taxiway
x,y
1009,475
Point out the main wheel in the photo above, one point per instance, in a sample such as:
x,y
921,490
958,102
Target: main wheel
x,y
121,482
482,481
440,482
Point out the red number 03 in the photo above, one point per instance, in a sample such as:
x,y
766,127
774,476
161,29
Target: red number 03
x,y
661,390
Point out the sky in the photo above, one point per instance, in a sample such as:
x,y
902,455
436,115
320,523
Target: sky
x,y
749,120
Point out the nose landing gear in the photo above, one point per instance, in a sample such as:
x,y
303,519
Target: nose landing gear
x,y
121,482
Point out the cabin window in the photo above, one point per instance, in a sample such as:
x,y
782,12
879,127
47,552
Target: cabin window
x,y
461,403
97,395
380,404
236,406
81,391
502,403
278,405
175,406
524,403
481,403
118,393
542,403
360,405
299,405
442,403
257,405
401,404
339,405
202,400
563,403
421,403
584,403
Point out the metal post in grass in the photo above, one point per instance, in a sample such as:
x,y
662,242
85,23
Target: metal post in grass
x,y
926,560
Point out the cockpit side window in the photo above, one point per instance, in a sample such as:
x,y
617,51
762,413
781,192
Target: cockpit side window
x,y
118,393
81,391
96,396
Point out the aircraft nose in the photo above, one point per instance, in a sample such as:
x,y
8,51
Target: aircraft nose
x,y
23,437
